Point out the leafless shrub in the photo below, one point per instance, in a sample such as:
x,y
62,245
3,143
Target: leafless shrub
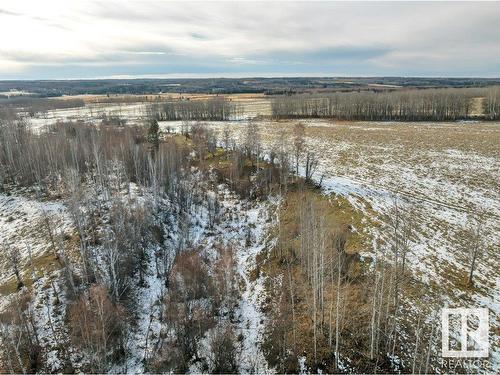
x,y
186,310
97,326
223,350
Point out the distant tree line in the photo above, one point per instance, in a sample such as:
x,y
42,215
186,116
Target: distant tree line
x,y
411,105
492,104
215,109
231,85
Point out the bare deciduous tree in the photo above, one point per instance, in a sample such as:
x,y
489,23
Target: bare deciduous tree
x,y
298,143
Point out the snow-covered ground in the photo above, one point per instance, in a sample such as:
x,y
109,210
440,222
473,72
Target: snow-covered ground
x,y
239,221
23,226
236,217
251,317
445,173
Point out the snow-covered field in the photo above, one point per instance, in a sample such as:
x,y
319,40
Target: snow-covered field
x,y
446,174
134,113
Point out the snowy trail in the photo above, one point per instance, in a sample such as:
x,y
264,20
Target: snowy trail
x,y
148,325
252,217
251,318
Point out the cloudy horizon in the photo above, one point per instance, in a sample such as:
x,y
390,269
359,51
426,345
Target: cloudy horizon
x,y
155,39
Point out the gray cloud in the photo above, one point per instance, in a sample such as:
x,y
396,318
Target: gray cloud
x,y
9,13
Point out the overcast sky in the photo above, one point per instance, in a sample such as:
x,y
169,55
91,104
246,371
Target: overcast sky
x,y
84,39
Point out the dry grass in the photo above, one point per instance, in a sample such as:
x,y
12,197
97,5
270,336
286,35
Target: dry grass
x,y
338,214
42,265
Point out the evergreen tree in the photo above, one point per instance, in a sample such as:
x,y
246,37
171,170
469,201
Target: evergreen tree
x,y
154,134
